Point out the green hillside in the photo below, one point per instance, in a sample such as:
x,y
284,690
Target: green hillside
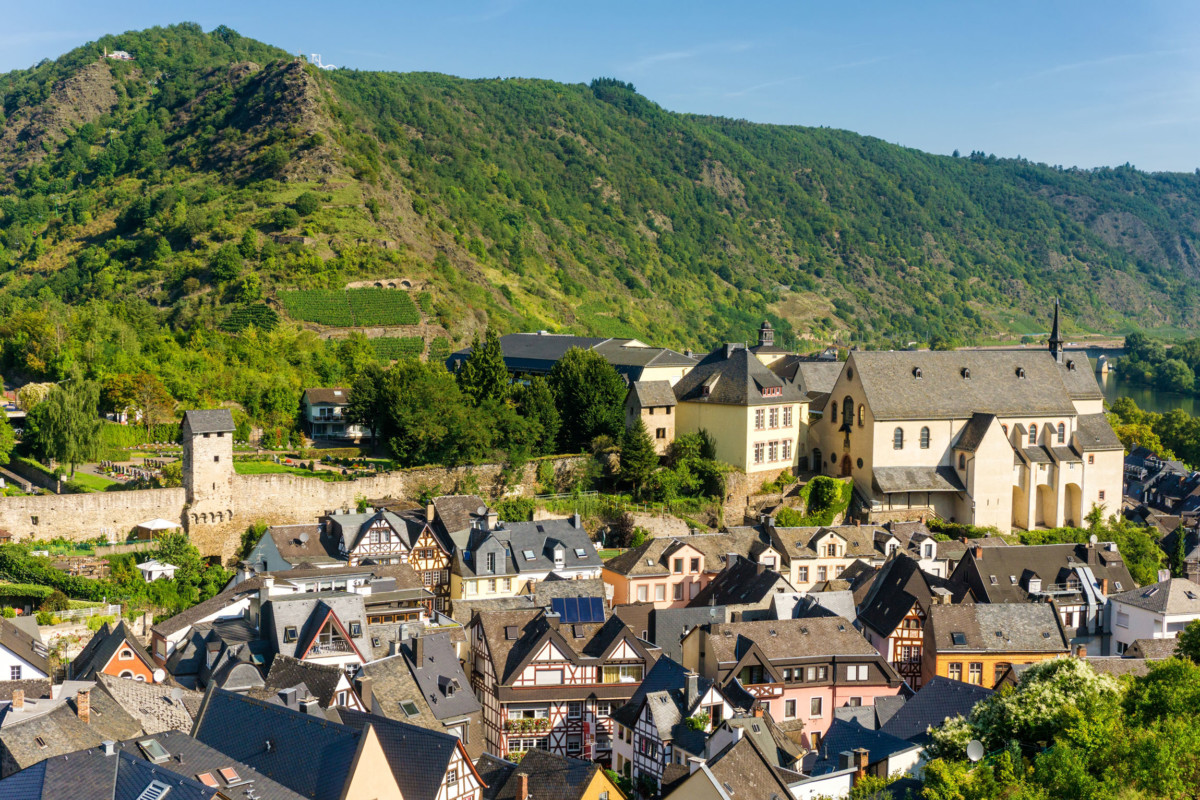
x,y
227,217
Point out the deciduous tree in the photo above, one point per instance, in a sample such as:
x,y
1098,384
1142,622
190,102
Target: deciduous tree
x,y
590,395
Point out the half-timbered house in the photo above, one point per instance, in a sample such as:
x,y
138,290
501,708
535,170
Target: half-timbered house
x,y
894,611
386,537
552,684
799,670
667,721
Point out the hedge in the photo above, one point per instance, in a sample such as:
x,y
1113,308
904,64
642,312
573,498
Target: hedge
x,y
20,567
30,590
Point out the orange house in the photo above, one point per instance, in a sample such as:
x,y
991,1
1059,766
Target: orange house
x,y
113,651
979,643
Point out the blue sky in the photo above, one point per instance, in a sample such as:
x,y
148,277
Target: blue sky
x,y
1073,83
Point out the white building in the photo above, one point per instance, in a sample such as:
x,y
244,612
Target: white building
x,y
1158,611
23,656
324,412
153,569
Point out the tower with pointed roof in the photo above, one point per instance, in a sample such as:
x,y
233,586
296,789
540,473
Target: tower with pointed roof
x,y
1056,340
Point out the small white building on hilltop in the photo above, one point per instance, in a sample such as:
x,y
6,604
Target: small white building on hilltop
x,y
1159,611
153,569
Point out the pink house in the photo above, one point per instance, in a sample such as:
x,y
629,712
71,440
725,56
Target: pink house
x,y
798,669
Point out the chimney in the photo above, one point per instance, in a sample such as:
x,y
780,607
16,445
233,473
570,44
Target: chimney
x,y
110,747
759,569
522,786
977,551
288,696
430,513
418,646
264,593
1104,586
310,706
492,518
576,521
861,757
552,620
18,699
731,559
845,759
758,709
83,706
362,687
1081,651
693,690
1091,553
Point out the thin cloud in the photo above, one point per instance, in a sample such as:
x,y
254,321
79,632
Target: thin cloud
x,y
1093,63
26,38
683,55
866,62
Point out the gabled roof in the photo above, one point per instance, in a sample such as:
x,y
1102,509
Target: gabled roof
x,y
808,375
973,432
56,723
844,735
1173,596
156,707
996,628
194,758
514,542
308,754
419,757
439,677
1095,433
337,396
652,394
890,480
741,770
744,582
308,613
321,679
215,420
792,638
1152,648
664,691
732,375
89,774
213,605
493,771
900,584
780,750
960,383
454,511
1055,564
24,646
550,777
938,700
103,646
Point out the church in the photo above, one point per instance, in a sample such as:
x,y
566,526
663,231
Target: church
x,y
1003,438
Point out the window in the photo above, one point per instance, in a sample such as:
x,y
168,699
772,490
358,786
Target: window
x,y
962,461
641,594
1091,460
491,562
975,672
955,671
856,672
772,451
624,673
491,585
773,417
759,452
785,449
355,628
898,439
125,655
527,555
574,709
1101,494
789,709
548,677
451,775
831,550
816,674
678,591
1033,433
603,708
802,574
660,433
787,416
660,592
822,573
14,672
854,702
216,459
998,671
695,565
1062,433
929,551
924,438
677,566
760,419
289,633
833,413
814,707
208,780
861,414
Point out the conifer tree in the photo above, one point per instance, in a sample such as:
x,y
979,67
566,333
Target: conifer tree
x,y
484,376
638,458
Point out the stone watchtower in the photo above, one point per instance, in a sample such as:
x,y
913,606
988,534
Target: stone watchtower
x,y
208,466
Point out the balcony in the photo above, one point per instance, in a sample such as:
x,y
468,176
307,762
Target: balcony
x,y
527,725
332,648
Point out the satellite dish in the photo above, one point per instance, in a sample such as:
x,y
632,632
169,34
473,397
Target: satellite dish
x,y
303,538
975,750
159,675
1093,538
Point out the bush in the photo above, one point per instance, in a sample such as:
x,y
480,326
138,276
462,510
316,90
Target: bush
x,y
45,618
307,203
9,612
824,493
96,622
57,601
516,509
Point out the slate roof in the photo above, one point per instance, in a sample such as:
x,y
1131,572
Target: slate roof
x,y
91,775
664,687
973,432
539,537
335,396
653,394
890,480
555,586
197,758
669,625
1173,596
793,638
315,549
56,722
408,526
493,771
103,645
778,748
1055,564
308,754
321,679
862,541
213,605
956,548
24,646
154,707
900,584
419,757
34,688
439,678
1079,376
743,771
453,513
1152,648
307,612
214,420
814,604
938,700
538,352
742,583
1095,433
844,735
732,375
997,628
551,777
809,376
894,392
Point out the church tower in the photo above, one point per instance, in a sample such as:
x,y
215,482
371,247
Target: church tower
x,y
1056,340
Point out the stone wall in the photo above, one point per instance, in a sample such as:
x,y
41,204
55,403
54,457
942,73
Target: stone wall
x,y
272,499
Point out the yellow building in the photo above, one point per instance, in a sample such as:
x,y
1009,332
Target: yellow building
x,y
1007,438
758,420
977,643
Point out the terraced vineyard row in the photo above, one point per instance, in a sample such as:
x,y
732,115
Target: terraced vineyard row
x,y
398,347
351,307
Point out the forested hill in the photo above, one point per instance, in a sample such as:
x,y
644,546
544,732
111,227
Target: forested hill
x,y
157,214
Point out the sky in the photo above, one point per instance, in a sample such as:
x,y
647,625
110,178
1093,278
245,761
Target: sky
x,y
1096,83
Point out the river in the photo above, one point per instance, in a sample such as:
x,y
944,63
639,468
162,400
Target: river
x,y
1147,398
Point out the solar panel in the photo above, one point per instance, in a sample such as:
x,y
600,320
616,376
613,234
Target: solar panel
x,y
578,610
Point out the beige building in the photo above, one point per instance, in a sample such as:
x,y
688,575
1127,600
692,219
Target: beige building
x,y
1006,438
654,403
758,420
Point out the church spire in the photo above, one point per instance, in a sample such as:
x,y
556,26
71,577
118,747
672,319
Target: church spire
x,y
1056,340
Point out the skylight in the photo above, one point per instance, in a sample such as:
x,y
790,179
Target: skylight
x,y
580,552
155,791
229,774
207,779
154,751
528,554
958,637
409,708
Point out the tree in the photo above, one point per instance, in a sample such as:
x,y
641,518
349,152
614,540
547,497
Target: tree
x,y
1189,642
638,457
1175,376
365,405
66,427
535,402
590,397
307,203
8,439
226,263
151,399
483,375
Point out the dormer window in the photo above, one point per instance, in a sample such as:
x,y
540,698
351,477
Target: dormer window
x,y
772,391
918,373
1020,372
289,633
966,372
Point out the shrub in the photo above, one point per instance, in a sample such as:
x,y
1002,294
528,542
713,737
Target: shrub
x,y
824,493
57,601
45,618
516,509
9,612
307,203
96,622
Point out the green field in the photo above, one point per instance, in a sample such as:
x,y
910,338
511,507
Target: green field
x,y
351,307
392,348
93,483
271,468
